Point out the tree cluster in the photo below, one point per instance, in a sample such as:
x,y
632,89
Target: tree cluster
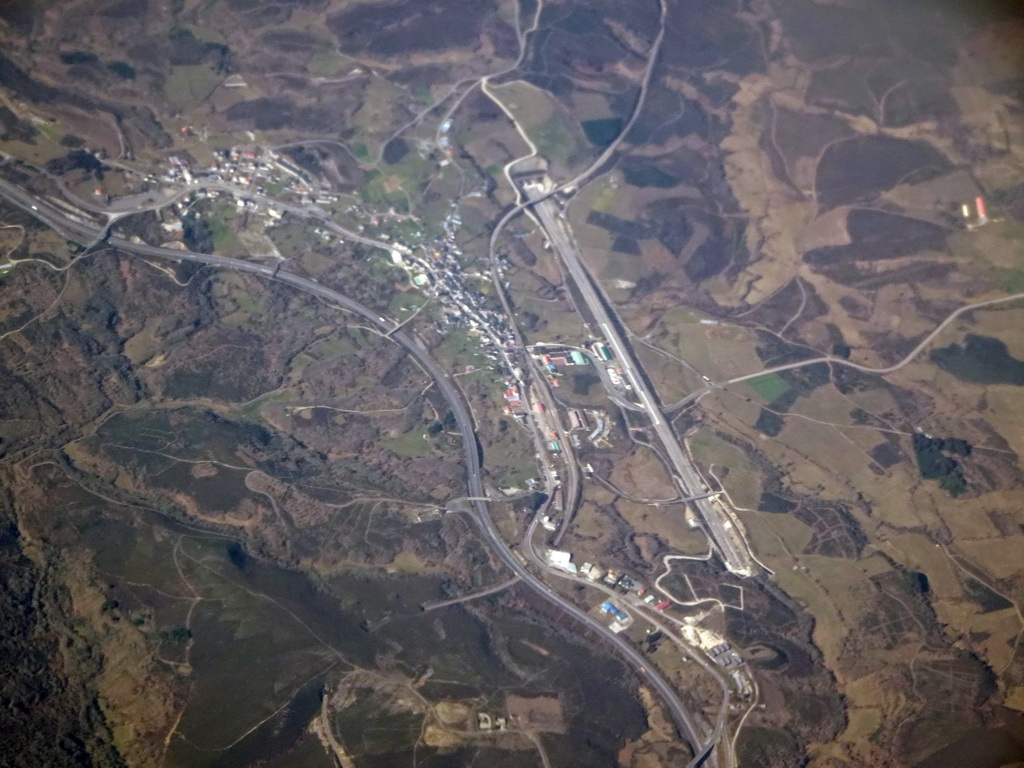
x,y
935,463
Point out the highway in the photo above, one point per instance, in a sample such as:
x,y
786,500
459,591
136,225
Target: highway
x,y
721,529
82,230
707,756
155,200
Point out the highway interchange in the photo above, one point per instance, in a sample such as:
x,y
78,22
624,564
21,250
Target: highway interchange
x,y
724,533
545,201
82,229
710,744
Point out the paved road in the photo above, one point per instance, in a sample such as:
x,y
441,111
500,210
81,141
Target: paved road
x,y
704,756
645,85
157,199
57,220
716,520
832,360
537,385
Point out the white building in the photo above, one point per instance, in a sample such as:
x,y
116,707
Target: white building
x,y
562,560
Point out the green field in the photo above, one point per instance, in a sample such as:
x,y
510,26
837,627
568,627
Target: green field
x,y
768,387
187,86
411,444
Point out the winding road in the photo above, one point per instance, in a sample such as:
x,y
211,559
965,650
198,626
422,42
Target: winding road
x,y
832,360
83,231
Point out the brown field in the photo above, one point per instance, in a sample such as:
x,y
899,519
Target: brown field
x,y
667,523
642,474
738,473
536,713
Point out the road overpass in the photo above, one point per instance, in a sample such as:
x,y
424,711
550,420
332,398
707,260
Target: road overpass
x,y
82,230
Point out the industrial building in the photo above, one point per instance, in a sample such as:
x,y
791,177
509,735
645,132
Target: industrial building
x,y
562,560
621,621
578,419
609,607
